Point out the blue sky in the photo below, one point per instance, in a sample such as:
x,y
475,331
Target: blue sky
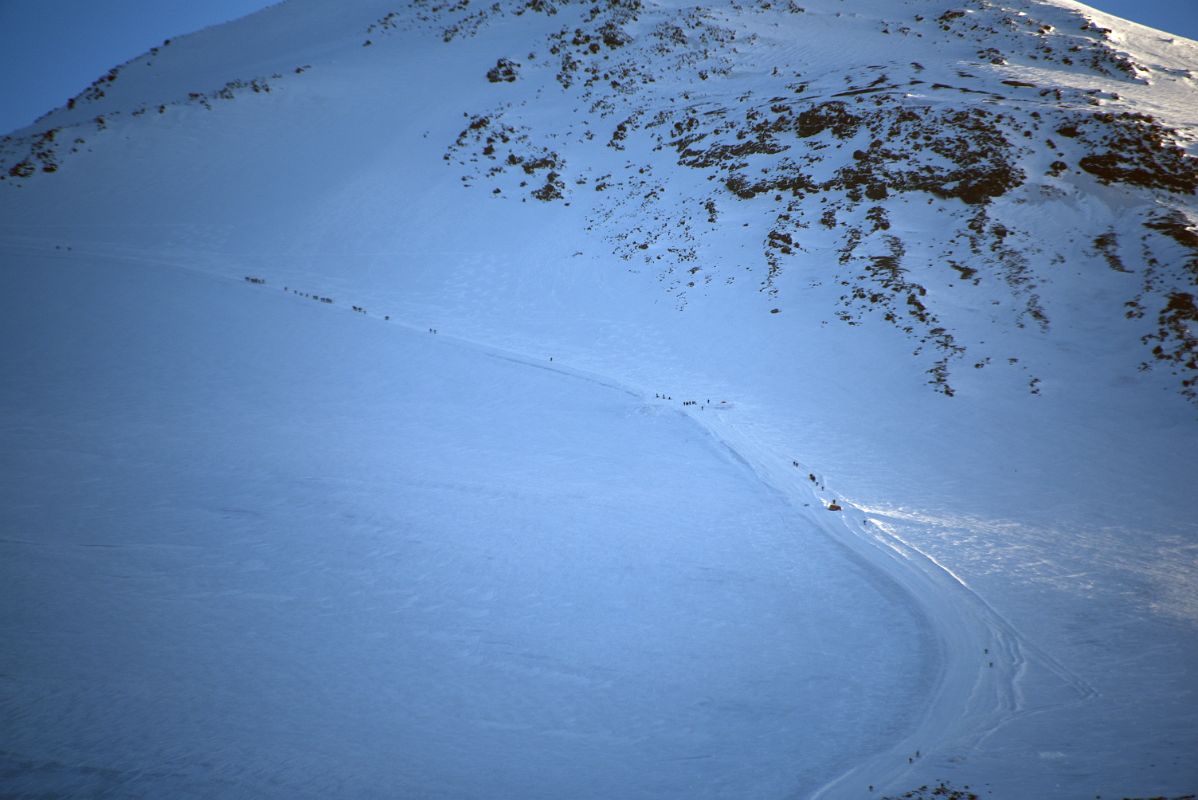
x,y
54,48
1175,16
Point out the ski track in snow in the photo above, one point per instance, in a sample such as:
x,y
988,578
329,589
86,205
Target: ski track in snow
x,y
984,660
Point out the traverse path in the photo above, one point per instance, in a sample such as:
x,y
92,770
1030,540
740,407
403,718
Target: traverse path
x,y
983,660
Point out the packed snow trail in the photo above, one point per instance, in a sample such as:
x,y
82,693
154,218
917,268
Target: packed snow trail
x,y
984,660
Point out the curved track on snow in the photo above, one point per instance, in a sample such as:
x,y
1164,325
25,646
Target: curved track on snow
x,y
983,659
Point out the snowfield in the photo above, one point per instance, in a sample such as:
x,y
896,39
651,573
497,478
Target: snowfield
x,y
374,428
289,551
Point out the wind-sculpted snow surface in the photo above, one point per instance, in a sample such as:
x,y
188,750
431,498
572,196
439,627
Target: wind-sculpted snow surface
x,y
287,554
747,400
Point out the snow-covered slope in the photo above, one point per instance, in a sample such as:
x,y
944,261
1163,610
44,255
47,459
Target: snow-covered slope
x,y
932,262
253,548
